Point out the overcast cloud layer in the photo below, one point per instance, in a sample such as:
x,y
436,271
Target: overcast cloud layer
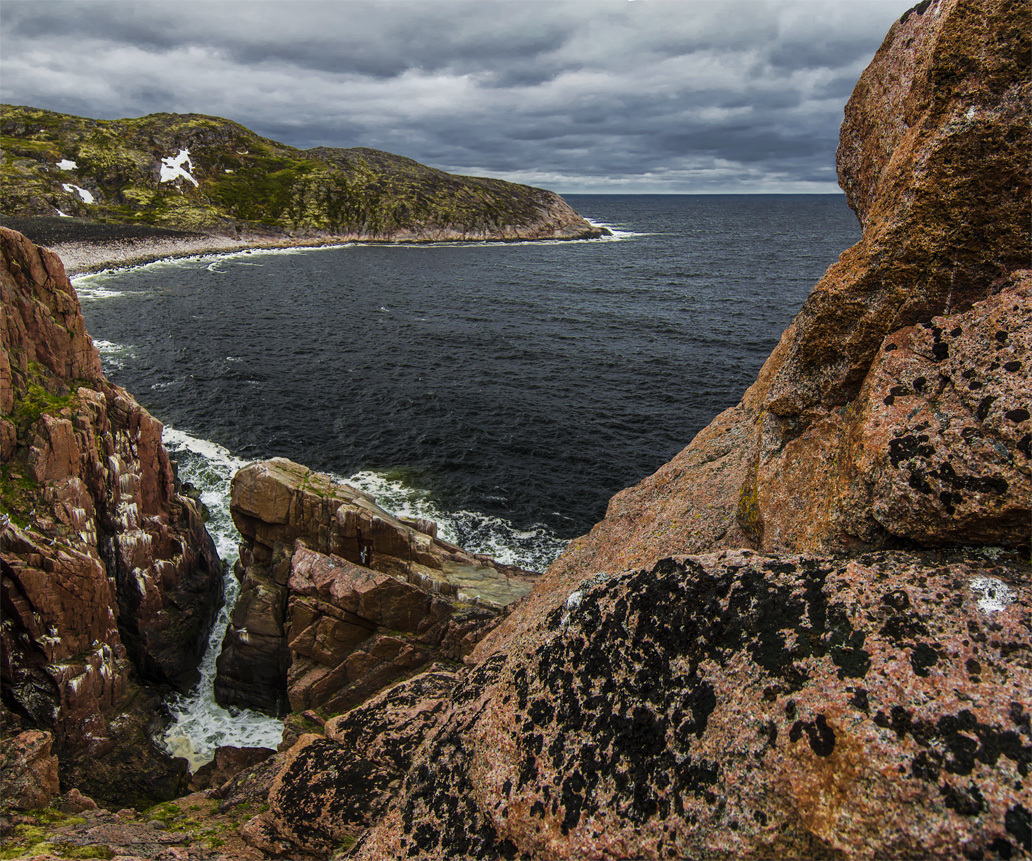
x,y
683,96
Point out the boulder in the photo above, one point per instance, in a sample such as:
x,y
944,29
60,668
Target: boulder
x,y
227,763
339,598
28,771
737,705
109,577
333,787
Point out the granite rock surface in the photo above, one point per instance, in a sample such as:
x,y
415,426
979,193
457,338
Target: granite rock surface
x,y
110,581
340,599
736,705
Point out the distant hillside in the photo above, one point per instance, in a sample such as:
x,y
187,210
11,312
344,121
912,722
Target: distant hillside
x,y
200,173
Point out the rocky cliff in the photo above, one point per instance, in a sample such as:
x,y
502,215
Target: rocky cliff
x,y
110,582
208,174
340,599
808,636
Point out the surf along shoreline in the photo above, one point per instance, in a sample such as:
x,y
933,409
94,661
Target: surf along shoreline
x,y
87,246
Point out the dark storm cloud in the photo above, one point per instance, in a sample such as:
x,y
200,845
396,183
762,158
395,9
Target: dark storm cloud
x,y
647,95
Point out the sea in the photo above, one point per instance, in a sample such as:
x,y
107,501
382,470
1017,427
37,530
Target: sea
x,y
505,390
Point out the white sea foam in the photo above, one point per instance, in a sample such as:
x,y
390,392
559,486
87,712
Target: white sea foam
x,y
90,288
200,725
112,355
532,549
618,234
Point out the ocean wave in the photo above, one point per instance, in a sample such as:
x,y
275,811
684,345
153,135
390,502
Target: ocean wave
x,y
199,724
113,356
618,234
91,288
532,549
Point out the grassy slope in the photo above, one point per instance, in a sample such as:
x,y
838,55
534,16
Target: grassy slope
x,y
246,182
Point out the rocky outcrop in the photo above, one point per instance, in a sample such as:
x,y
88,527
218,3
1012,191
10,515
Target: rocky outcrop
x,y
28,771
819,455
808,635
339,599
333,786
734,705
207,174
109,578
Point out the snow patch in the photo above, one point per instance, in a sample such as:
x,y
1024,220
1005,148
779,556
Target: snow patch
x,y
172,167
83,193
67,164
994,594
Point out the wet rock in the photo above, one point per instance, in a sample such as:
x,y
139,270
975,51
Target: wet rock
x,y
28,771
73,802
739,705
339,599
227,763
109,578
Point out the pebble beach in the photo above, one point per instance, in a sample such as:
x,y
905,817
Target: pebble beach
x,y
87,246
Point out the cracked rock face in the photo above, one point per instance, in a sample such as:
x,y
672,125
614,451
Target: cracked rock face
x,y
339,599
737,705
819,456
109,578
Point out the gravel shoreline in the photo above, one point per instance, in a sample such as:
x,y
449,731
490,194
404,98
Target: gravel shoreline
x,y
86,246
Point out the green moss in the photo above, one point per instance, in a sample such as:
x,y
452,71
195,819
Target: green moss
x,y
30,838
18,492
244,179
748,513
37,401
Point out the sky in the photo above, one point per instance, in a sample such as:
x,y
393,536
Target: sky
x,y
580,96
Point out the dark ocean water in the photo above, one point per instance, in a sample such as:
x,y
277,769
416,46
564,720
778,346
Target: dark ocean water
x,y
519,384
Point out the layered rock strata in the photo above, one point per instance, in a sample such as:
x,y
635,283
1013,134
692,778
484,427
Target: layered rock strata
x,y
339,598
109,578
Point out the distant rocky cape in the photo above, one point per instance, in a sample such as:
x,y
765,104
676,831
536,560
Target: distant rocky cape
x,y
209,175
808,636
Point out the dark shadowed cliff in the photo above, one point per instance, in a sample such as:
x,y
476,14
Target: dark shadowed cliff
x,y
110,582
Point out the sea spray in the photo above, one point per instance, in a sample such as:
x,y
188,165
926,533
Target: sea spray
x,y
199,724
206,469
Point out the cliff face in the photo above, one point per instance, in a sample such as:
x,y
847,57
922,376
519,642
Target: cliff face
x,y
207,174
340,599
109,578
839,670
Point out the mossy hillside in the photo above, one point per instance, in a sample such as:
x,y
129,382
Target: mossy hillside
x,y
245,181
37,392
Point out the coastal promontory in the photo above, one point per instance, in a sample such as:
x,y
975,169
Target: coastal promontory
x,y
206,177
807,636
